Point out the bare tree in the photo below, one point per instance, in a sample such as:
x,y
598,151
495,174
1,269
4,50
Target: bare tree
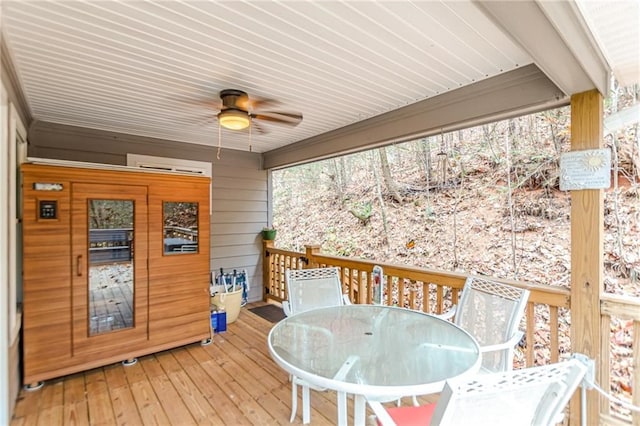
x,y
339,178
556,120
511,207
424,158
383,212
392,187
343,175
489,136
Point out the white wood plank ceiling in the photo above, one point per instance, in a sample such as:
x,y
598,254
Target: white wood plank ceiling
x,y
616,28
155,68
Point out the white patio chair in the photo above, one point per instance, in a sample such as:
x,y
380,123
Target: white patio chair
x,y
530,396
315,288
491,312
309,289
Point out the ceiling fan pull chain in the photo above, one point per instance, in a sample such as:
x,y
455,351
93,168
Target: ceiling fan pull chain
x,y
219,140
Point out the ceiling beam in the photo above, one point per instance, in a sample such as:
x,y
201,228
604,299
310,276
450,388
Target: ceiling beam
x,y
556,36
514,93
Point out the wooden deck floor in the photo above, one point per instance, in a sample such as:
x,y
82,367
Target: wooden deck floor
x,y
233,381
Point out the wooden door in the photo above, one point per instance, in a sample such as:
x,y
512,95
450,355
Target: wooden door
x,y
110,289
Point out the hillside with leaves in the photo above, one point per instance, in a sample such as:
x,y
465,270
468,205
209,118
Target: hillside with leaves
x,y
480,200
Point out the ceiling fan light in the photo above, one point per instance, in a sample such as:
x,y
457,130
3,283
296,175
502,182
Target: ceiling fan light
x,y
233,119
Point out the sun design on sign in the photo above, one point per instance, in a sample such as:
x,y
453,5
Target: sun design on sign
x,y
594,161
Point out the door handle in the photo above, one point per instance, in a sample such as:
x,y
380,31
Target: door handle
x,y
78,265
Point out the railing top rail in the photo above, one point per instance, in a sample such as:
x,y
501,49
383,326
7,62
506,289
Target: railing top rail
x,y
545,294
389,268
284,252
620,306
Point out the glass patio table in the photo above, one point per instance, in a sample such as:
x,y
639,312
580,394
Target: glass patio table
x,y
371,351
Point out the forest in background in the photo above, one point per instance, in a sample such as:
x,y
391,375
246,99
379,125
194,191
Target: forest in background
x,y
480,200
483,200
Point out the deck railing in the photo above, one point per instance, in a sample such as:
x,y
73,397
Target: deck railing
x,y
619,363
546,327
430,291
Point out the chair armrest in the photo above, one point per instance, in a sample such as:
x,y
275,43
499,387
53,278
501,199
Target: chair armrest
x,y
512,342
447,315
286,308
381,413
346,300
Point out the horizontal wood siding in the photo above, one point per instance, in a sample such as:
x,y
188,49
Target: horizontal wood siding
x,y
239,186
240,211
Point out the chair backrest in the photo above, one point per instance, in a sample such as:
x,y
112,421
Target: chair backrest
x,y
530,396
491,312
313,288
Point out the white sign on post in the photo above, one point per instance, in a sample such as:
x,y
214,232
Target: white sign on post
x,y
589,169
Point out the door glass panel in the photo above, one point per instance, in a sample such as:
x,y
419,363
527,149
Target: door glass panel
x,y
110,265
180,227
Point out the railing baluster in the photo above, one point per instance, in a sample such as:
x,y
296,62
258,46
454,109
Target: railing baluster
x,y
635,385
554,333
605,360
413,294
530,328
439,307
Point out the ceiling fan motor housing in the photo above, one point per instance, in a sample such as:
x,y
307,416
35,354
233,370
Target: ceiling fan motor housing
x,y
232,98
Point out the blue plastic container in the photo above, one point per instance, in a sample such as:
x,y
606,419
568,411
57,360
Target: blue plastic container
x,y
214,320
219,321
222,322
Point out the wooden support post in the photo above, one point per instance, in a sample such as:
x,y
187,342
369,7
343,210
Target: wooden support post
x,y
311,251
587,248
267,276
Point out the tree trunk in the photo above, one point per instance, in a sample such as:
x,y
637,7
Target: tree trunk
x,y
489,134
383,213
424,158
344,176
338,177
391,185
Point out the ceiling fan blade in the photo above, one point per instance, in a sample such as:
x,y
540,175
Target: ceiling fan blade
x,y
251,104
256,128
202,103
255,103
233,98
286,118
206,120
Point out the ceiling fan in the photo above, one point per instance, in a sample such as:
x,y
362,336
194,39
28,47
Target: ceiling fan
x,y
238,112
